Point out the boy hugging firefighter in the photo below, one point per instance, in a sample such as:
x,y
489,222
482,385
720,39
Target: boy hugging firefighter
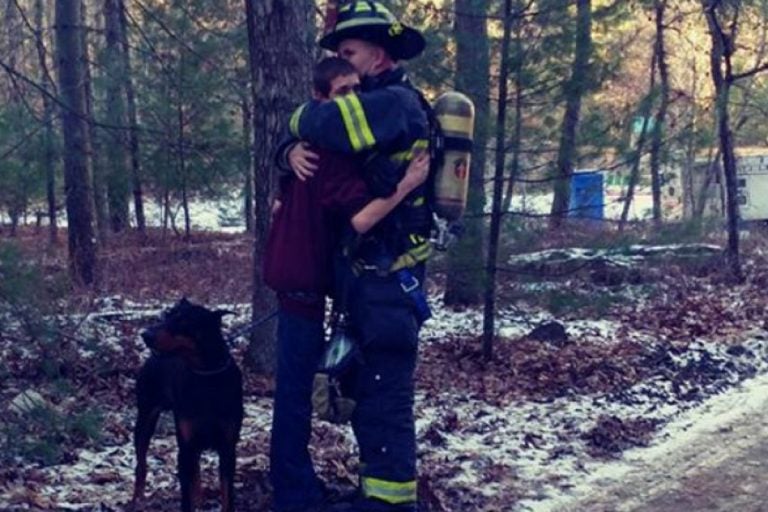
x,y
367,165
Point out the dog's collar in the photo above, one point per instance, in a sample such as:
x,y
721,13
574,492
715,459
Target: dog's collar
x,y
209,373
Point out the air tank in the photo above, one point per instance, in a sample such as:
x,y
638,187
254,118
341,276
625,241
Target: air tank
x,y
456,115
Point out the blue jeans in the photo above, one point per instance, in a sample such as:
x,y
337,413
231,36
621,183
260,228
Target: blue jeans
x,y
299,348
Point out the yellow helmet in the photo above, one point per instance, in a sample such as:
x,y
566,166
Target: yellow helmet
x,y
373,22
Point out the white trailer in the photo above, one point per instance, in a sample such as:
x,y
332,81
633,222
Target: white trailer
x,y
752,180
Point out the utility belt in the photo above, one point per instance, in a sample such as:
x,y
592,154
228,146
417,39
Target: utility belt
x,y
404,269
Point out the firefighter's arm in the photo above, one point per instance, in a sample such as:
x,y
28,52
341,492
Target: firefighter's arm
x,y
377,209
353,123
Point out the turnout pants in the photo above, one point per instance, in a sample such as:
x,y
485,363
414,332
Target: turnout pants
x,y
383,320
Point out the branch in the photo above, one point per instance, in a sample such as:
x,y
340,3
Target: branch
x,y
21,142
751,72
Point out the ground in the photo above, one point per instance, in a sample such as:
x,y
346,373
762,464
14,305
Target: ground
x,y
643,389
718,464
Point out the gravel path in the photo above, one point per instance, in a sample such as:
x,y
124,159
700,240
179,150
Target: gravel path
x,y
712,459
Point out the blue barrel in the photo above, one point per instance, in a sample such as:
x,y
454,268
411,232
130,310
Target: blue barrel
x,y
587,198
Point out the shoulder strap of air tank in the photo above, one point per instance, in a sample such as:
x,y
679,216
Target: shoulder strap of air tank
x,y
436,142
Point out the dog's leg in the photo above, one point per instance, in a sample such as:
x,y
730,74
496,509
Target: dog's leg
x,y
142,434
227,477
189,475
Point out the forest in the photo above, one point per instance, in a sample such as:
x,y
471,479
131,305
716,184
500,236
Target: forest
x,y
606,292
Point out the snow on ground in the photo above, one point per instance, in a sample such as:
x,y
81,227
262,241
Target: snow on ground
x,y
225,213
527,452
684,433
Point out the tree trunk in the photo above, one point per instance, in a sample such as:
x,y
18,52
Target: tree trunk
x,y
247,166
133,133
489,310
634,174
464,284
77,179
690,204
48,136
183,171
720,56
575,88
517,132
118,182
661,115
15,49
99,190
279,72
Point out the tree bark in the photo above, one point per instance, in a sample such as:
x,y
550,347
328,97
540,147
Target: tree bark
x,y
183,168
118,180
489,309
517,131
48,135
280,36
133,134
661,114
575,88
634,173
464,284
99,188
247,166
720,57
77,178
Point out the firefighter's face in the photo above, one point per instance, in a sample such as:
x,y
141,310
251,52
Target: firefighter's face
x,y
364,56
344,84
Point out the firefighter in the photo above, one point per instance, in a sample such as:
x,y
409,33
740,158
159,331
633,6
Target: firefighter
x,y
385,268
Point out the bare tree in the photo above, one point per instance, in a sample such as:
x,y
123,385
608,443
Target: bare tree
x,y
575,87
17,202
77,171
661,115
116,139
99,183
133,134
245,111
48,134
517,130
489,311
718,14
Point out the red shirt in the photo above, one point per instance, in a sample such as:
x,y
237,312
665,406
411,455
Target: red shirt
x,y
305,230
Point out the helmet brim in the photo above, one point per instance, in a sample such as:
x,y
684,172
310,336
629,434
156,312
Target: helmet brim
x,y
407,44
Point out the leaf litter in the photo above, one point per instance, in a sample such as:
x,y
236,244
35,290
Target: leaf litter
x,y
519,432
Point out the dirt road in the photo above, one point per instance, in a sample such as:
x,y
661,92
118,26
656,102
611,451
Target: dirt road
x,y
712,459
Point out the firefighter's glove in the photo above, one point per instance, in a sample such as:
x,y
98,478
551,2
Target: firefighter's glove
x,y
420,251
328,402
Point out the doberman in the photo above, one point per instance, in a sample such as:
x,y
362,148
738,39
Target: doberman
x,y
191,373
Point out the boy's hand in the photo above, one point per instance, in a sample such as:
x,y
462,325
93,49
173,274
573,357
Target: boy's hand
x,y
303,161
417,171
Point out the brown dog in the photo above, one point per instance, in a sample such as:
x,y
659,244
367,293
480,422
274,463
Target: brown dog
x,y
191,373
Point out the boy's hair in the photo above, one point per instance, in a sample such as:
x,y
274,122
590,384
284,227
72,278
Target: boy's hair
x,y
328,69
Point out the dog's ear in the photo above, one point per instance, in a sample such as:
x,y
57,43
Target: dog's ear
x,y
184,302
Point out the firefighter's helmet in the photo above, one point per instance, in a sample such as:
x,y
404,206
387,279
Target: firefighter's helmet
x,y
373,22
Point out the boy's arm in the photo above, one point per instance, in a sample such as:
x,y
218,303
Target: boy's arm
x,y
382,174
377,209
